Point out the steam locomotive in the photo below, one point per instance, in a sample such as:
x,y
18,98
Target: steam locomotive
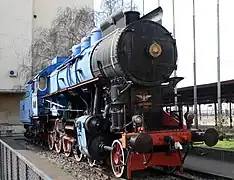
x,y
105,102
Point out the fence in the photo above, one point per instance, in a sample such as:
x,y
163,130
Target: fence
x,y
206,115
13,166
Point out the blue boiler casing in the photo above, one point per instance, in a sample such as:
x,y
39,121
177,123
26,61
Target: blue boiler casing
x,y
76,49
53,76
77,68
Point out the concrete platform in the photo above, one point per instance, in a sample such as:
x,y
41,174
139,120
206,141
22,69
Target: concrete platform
x,y
211,166
8,129
43,164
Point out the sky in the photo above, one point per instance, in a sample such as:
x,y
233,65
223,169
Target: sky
x,y
206,37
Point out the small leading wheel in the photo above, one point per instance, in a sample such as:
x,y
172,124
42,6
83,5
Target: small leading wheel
x,y
117,159
91,162
51,141
78,155
58,144
67,147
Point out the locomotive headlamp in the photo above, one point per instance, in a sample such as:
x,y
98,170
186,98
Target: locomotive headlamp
x,y
137,119
190,116
155,50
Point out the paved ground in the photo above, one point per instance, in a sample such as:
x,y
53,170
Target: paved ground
x,y
212,166
16,129
42,164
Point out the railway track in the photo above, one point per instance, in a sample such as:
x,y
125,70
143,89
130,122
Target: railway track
x,y
105,173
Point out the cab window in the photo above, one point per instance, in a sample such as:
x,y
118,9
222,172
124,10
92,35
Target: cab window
x,y
42,83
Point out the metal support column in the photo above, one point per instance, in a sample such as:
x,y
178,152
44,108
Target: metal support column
x,y
218,69
175,74
199,106
194,68
215,109
230,113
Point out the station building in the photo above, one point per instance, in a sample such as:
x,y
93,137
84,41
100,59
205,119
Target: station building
x,y
18,21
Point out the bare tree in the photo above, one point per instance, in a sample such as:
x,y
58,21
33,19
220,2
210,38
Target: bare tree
x,y
67,30
108,7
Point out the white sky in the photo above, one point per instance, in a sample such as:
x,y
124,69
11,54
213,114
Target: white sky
x,y
206,37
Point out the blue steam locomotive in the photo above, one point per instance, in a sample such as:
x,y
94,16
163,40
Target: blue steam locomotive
x,y
104,103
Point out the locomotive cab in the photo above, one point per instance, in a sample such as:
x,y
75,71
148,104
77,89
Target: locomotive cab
x,y
31,105
26,105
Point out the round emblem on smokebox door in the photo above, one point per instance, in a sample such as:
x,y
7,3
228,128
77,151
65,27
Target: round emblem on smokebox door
x,y
155,50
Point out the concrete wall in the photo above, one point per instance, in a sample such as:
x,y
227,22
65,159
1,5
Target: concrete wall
x,y
10,108
46,10
15,39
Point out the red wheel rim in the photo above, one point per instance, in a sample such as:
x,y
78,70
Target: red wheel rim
x,y
58,145
117,159
51,141
67,147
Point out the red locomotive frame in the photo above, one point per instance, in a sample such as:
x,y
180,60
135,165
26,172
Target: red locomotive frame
x,y
136,161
